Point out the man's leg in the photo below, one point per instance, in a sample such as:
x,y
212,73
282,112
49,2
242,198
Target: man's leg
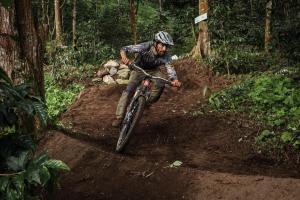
x,y
134,80
158,88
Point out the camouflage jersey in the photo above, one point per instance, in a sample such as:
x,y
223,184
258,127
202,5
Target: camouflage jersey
x,y
148,58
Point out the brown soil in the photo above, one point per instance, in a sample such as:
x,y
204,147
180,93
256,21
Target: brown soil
x,y
217,155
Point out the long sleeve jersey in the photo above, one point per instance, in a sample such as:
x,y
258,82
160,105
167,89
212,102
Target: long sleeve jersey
x,y
148,58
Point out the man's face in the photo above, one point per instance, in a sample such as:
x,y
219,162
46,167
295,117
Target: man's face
x,y
161,48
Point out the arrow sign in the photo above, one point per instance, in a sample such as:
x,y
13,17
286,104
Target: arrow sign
x,y
200,18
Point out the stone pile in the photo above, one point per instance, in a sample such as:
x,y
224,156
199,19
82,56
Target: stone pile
x,y
113,72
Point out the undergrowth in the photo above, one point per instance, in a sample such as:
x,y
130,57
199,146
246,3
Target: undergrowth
x,y
271,98
58,97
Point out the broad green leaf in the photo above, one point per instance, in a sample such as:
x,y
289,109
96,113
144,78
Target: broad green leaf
x,y
40,159
32,175
17,163
44,175
56,164
41,111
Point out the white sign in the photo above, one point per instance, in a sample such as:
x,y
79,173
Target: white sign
x,y
200,18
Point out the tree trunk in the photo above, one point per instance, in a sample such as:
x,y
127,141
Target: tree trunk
x,y
74,24
9,47
58,22
268,26
160,6
204,37
20,45
251,7
133,20
202,49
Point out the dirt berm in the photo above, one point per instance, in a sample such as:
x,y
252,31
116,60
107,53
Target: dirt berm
x,y
218,158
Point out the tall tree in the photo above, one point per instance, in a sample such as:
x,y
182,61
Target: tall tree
x,y
20,45
160,6
202,49
133,20
74,24
58,24
268,26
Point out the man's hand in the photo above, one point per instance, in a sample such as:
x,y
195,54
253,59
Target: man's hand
x,y
125,59
176,83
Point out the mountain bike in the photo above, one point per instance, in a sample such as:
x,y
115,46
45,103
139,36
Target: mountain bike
x,y
136,107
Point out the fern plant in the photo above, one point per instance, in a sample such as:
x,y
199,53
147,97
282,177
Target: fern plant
x,y
23,175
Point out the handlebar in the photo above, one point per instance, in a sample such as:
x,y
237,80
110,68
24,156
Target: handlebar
x,y
134,66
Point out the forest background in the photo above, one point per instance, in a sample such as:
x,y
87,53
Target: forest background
x,y
65,42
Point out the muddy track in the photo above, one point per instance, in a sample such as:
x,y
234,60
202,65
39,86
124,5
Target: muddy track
x,y
219,160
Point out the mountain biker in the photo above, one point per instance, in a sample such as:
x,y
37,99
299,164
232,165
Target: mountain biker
x,y
151,55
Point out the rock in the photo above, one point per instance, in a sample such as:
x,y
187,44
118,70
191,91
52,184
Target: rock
x,y
122,66
175,57
113,71
123,74
108,80
102,72
99,80
111,63
122,82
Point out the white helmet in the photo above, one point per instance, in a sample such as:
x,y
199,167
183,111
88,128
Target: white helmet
x,y
164,38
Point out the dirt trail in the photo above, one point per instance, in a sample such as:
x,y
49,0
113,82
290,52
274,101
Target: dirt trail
x,y
219,161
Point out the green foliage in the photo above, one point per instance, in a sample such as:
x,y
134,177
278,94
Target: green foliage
x,y
272,98
17,106
237,37
235,60
266,137
67,64
6,3
31,172
59,98
22,173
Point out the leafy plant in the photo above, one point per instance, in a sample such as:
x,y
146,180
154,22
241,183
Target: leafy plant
x,y
22,173
272,98
28,173
17,106
59,98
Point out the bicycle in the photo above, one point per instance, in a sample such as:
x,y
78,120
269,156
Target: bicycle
x,y
136,107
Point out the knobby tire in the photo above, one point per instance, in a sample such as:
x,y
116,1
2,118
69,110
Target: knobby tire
x,y
128,127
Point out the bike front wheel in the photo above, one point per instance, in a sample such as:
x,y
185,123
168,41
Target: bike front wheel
x,y
131,119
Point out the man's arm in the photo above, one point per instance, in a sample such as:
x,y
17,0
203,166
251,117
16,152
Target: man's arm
x,y
133,49
171,72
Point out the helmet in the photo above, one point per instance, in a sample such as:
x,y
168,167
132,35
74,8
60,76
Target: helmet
x,y
164,38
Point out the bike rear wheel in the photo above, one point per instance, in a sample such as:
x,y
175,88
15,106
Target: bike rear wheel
x,y
131,119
